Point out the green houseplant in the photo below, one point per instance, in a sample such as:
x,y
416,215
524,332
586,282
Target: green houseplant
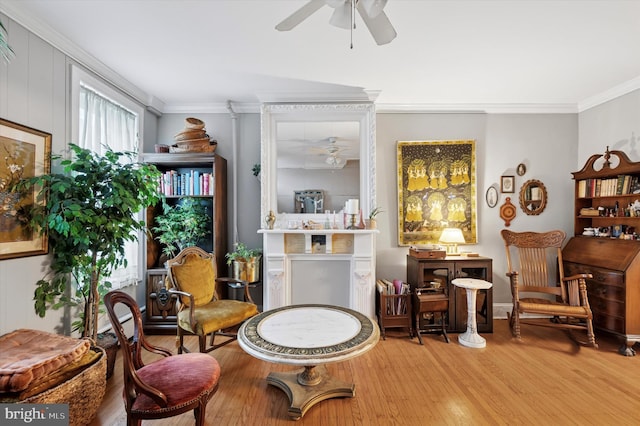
x,y
89,214
245,262
182,225
373,221
5,50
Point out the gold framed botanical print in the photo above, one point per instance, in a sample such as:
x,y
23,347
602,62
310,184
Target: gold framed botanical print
x,y
24,153
436,190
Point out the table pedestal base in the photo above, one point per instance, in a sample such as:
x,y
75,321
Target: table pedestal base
x,y
308,387
472,339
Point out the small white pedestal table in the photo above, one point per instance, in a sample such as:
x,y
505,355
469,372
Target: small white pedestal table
x,y
308,336
471,338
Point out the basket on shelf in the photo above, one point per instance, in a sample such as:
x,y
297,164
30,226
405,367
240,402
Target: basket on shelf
x,y
193,138
197,145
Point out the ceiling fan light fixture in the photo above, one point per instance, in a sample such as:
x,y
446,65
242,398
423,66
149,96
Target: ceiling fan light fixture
x,y
341,17
335,161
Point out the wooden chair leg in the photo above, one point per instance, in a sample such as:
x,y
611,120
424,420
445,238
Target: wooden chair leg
x,y
591,335
202,343
444,326
418,329
180,340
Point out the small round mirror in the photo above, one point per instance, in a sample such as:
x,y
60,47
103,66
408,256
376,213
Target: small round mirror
x,y
533,197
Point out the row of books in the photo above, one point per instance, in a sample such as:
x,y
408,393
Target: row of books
x,y
192,182
393,305
608,187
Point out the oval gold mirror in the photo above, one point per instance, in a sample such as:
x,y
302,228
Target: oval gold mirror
x,y
533,197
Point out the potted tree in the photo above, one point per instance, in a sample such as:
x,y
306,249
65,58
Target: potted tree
x,y
181,225
245,263
89,214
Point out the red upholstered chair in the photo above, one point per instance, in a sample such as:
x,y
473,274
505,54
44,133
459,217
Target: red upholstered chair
x,y
193,276
166,387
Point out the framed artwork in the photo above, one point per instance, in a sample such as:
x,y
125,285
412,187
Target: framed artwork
x,y
521,169
492,196
507,184
24,153
436,190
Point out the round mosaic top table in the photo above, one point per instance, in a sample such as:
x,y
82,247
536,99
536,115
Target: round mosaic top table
x,y
308,336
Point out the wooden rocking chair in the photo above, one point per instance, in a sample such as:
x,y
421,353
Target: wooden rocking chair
x,y
539,287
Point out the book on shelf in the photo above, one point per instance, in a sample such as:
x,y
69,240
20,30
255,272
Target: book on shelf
x,y
173,183
608,187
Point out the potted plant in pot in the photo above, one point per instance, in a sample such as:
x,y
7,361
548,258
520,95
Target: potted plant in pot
x,y
181,225
89,214
245,263
373,221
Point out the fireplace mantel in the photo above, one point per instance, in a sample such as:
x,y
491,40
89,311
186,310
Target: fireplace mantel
x,y
328,266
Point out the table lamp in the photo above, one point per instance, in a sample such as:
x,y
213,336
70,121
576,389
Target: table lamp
x,y
452,237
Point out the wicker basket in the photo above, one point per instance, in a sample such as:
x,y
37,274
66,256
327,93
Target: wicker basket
x,y
83,393
203,145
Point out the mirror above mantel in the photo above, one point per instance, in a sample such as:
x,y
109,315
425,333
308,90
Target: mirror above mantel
x,y
321,148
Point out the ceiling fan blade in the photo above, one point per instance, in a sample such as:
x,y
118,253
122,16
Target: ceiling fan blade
x,y
374,7
300,15
380,27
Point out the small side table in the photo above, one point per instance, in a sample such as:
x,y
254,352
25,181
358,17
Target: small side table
x,y
471,338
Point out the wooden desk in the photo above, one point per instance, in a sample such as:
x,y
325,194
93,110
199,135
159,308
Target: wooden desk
x,y
420,273
309,336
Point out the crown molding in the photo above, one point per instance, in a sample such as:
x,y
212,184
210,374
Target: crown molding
x,y
212,108
478,108
608,95
318,97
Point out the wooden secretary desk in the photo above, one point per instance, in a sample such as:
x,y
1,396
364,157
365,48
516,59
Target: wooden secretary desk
x,y
604,200
421,272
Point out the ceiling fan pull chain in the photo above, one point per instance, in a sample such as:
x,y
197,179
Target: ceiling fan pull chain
x,y
353,20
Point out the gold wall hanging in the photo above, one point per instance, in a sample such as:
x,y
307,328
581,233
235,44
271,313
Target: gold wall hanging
x,y
436,190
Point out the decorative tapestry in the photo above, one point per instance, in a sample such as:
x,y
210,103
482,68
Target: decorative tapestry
x,y
436,190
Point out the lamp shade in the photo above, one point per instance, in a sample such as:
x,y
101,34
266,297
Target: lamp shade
x,y
452,236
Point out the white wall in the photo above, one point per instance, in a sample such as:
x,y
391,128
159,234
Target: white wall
x,y
545,143
615,124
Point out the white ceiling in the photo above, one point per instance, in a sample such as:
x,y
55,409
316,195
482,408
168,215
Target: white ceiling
x,y
464,55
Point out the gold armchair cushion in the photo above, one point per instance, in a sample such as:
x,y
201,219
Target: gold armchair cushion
x,y
197,277
217,315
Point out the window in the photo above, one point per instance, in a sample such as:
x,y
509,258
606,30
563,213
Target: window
x,y
103,118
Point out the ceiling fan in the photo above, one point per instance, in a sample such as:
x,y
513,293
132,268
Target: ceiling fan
x,y
332,151
371,12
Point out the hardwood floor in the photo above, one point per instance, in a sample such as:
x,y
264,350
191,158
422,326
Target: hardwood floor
x,y
544,380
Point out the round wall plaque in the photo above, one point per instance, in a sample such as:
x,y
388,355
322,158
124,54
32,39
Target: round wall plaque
x,y
507,212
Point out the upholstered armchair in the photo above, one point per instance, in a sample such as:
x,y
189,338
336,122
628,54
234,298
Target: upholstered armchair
x,y
167,386
193,279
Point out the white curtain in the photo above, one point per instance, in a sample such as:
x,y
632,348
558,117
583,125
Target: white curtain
x,y
105,124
